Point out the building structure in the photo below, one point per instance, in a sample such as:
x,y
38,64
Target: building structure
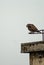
x,y
35,50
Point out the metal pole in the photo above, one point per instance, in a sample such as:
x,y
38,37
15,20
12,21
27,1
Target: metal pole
x,y
42,35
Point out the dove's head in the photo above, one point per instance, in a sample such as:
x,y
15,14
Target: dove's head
x,y
28,25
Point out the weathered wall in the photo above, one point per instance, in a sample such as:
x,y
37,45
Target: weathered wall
x,y
31,47
37,59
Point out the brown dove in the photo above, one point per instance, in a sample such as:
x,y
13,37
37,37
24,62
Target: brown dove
x,y
32,28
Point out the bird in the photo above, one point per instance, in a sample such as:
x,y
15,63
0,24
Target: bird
x,y
32,28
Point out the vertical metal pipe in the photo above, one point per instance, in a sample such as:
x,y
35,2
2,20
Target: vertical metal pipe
x,y
43,35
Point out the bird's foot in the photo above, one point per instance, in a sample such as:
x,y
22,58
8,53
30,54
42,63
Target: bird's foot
x,y
31,33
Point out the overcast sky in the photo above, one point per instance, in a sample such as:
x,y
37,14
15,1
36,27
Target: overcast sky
x,y
14,15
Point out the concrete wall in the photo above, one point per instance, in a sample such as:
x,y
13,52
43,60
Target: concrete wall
x,y
36,59
31,47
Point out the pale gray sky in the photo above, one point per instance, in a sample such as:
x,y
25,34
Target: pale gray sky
x,y
14,15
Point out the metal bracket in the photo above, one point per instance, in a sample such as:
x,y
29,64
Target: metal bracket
x,y
41,32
